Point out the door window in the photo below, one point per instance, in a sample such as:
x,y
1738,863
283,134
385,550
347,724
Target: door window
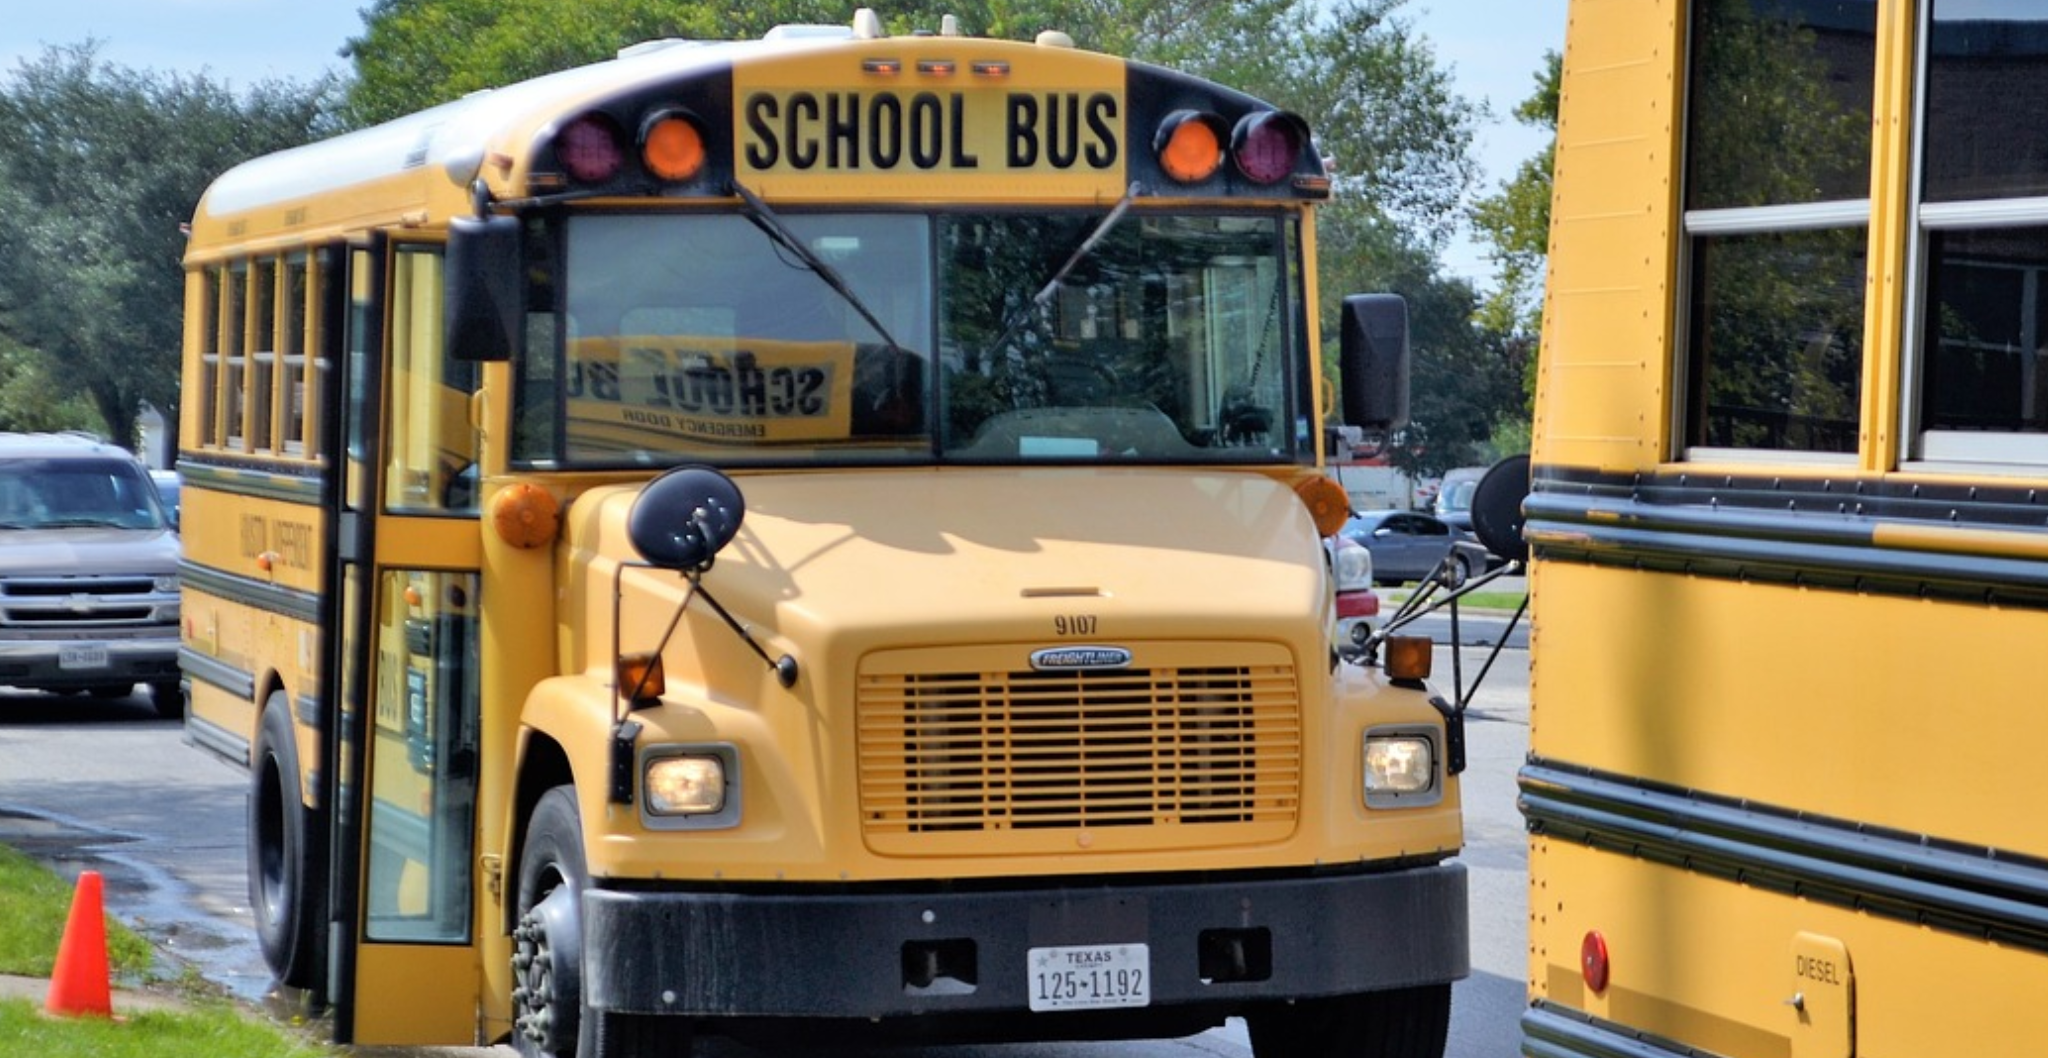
x,y
423,758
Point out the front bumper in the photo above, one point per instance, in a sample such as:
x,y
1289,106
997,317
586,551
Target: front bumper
x,y
867,956
83,661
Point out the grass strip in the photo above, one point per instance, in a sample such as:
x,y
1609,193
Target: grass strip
x,y
212,1030
34,907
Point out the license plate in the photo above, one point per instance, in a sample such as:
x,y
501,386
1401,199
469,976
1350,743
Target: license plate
x,y
1090,977
92,657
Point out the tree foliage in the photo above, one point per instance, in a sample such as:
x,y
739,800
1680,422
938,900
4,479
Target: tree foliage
x,y
1399,132
1465,383
99,167
1515,221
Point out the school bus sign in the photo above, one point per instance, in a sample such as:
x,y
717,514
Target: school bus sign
x,y
944,129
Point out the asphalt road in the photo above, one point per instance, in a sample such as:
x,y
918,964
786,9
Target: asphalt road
x,y
108,786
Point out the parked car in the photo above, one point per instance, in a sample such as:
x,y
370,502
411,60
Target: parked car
x,y
1357,603
1409,545
88,572
167,491
1453,503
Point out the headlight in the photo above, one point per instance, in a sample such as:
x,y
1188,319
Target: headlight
x,y
1398,767
1352,564
685,786
165,585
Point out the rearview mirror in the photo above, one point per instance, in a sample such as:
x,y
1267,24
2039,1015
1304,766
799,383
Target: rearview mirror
x,y
1497,508
685,517
1373,355
482,288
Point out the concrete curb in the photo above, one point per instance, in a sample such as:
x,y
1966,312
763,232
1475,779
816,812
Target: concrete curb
x,y
36,990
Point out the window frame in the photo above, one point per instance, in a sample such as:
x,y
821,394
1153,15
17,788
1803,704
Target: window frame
x,y
1695,225
1922,448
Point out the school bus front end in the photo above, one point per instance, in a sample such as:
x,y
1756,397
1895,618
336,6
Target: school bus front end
x,y
995,659
1024,771
845,547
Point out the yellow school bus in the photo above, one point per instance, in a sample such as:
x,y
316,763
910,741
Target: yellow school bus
x,y
814,533
1790,546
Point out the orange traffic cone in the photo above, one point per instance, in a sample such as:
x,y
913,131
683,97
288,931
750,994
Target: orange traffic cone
x,y
80,984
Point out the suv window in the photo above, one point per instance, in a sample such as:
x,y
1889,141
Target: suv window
x,y
74,493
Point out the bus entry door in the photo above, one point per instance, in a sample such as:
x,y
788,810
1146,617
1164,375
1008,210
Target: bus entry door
x,y
408,970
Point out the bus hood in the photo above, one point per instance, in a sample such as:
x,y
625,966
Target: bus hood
x,y
843,563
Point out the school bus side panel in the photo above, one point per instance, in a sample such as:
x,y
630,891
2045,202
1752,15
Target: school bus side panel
x,y
250,607
1602,393
1758,691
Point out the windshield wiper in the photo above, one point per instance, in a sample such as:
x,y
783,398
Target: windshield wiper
x,y
779,233
1081,252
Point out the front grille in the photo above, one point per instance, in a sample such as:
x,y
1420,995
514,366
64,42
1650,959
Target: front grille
x,y
83,603
1189,755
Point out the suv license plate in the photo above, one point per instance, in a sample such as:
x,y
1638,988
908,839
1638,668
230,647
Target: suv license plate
x,y
92,657
1089,977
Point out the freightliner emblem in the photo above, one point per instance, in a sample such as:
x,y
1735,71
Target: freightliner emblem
x,y
1067,658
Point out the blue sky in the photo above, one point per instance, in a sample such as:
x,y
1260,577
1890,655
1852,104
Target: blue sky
x,y
1493,47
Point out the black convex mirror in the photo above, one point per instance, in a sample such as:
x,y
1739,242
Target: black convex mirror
x,y
1373,355
1497,508
482,288
685,517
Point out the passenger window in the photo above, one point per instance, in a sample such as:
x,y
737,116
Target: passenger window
x,y
1776,238
1982,380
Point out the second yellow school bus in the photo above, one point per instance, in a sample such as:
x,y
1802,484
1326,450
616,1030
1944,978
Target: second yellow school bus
x,y
1790,539
811,534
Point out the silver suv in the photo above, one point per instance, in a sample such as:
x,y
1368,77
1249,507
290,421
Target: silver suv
x,y
88,571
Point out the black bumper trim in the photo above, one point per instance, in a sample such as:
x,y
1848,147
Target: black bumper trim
x,y
842,955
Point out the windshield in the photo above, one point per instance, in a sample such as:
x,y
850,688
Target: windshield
x,y
697,338
1457,496
76,493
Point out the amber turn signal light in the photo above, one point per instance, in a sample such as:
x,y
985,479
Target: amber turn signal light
x,y
672,147
1189,146
640,677
1409,657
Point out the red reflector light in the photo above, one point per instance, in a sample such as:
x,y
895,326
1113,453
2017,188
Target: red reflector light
x,y
1593,960
672,147
589,149
1266,145
1189,145
1358,603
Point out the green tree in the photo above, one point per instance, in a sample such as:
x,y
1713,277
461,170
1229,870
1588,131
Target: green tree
x,y
99,168
1465,380
1515,221
1401,136
30,401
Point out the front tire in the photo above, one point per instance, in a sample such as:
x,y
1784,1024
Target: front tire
x,y
169,699
287,861
550,1019
1398,1023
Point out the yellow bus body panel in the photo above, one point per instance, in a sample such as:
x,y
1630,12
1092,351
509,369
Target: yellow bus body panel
x,y
413,984
1734,696
1602,393
1717,965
